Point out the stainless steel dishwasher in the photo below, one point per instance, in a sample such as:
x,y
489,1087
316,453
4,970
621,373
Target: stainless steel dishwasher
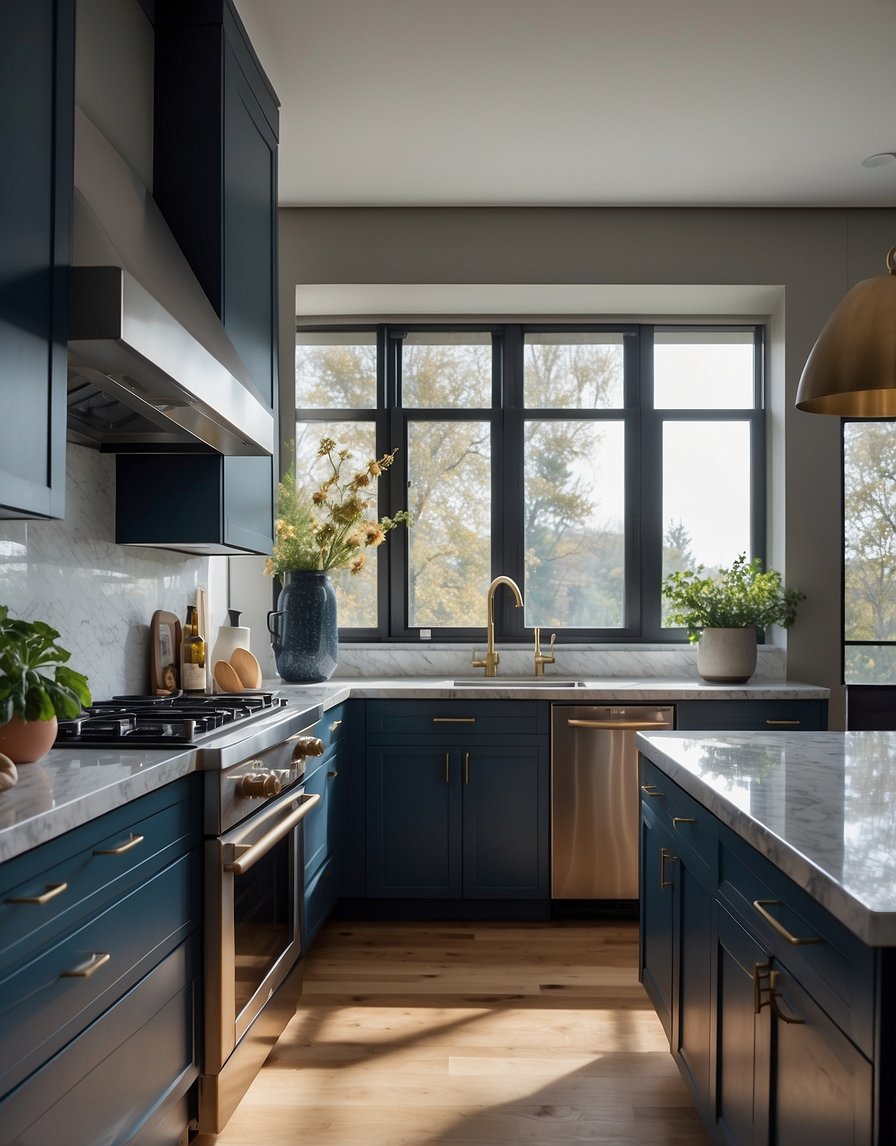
x,y
594,798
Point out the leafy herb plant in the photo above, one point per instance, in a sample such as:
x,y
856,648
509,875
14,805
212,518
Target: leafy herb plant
x,y
35,681
742,596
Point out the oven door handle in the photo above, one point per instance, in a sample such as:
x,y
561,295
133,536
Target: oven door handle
x,y
246,855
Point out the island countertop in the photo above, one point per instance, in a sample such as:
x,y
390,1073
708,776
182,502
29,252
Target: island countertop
x,y
821,806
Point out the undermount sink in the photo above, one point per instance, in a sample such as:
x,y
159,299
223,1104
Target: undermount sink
x,y
517,682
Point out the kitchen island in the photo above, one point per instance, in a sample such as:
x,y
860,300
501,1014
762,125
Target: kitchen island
x,y
768,928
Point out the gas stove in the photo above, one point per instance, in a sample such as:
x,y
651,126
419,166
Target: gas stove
x,y
224,729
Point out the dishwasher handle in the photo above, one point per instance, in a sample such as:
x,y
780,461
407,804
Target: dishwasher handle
x,y
624,725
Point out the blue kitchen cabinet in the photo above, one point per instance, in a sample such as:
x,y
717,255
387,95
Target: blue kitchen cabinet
x,y
325,829
657,867
216,123
413,822
752,715
772,1021
678,866
100,968
37,52
457,801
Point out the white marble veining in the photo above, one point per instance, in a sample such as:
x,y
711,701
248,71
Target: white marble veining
x,y
99,596
595,690
820,805
621,662
69,787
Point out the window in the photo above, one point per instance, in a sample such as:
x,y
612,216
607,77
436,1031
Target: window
x,y
869,552
586,462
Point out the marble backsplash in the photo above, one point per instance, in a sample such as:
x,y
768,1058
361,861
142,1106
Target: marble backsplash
x,y
576,661
99,595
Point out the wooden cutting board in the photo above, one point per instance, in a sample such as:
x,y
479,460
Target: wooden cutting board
x,y
164,653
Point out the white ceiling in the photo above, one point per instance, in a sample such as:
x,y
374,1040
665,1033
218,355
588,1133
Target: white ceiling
x,y
581,102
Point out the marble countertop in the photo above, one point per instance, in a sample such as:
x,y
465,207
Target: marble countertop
x,y
628,689
820,805
69,787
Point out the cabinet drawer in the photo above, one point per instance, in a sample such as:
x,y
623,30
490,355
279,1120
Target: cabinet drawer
x,y
324,827
693,830
835,967
47,1002
321,895
428,722
121,1072
752,715
332,728
46,892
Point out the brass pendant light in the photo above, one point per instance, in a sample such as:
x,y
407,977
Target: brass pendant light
x,y
851,370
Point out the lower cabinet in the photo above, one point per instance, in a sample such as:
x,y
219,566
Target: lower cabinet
x,y
769,1003
99,995
326,826
753,715
456,812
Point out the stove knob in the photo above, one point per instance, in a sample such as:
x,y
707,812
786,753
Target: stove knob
x,y
307,746
258,785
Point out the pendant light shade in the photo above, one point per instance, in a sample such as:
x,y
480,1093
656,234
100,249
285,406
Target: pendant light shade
x,y
851,371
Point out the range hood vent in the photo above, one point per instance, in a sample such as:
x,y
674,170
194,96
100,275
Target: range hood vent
x,y
150,366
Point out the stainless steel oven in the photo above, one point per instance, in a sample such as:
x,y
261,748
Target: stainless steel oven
x,y
251,749
253,914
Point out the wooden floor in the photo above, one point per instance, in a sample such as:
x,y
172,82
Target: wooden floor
x,y
472,1034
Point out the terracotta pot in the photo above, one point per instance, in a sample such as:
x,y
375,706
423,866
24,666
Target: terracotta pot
x,y
727,656
25,741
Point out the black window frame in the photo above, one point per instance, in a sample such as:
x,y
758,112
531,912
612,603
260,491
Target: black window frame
x,y
643,429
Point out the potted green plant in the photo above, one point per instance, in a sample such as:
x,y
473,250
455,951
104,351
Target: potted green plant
x,y
36,687
726,614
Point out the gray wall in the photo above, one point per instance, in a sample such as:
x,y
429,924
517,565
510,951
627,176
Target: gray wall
x,y
813,256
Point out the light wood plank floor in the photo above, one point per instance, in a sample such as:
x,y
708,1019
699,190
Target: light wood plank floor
x,y
475,1034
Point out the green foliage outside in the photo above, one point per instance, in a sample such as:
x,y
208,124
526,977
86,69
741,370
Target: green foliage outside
x,y
574,541
869,515
35,681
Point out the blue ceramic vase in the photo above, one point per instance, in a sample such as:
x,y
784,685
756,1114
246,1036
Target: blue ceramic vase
x,y
304,629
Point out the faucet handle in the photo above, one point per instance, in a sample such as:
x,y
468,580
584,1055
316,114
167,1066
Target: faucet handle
x,y
476,663
542,659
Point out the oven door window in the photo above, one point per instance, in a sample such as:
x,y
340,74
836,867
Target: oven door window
x,y
265,923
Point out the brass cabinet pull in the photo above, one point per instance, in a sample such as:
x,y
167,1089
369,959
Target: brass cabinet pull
x,y
788,723
97,959
665,854
466,767
131,842
333,772
335,725
794,940
676,820
50,892
652,790
454,720
765,979
447,768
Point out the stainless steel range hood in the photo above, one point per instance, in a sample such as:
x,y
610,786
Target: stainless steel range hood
x,y
150,365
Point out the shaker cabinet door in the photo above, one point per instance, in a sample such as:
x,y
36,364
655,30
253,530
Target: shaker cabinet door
x,y
37,53
413,822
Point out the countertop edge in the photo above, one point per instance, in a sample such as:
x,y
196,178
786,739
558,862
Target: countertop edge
x,y
875,928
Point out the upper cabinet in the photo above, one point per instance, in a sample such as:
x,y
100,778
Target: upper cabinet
x,y
37,51
215,180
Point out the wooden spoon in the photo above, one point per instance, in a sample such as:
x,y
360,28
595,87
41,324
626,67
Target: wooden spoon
x,y
226,677
247,668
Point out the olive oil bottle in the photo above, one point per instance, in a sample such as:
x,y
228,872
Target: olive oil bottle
x,y
192,654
